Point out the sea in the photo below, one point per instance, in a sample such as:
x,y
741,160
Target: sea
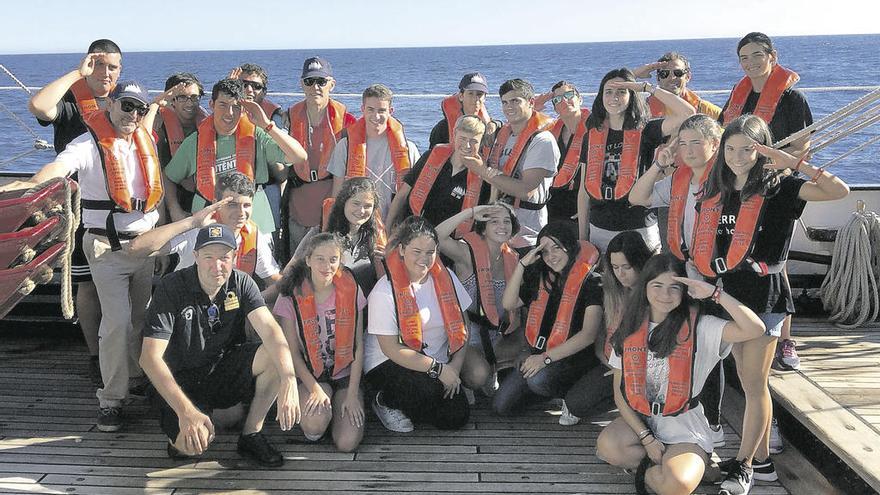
x,y
834,70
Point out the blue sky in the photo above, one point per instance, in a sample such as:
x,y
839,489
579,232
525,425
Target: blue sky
x,y
56,26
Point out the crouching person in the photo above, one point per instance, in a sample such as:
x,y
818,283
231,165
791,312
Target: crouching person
x,y
197,356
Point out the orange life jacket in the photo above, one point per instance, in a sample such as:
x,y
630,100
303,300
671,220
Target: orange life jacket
x,y
537,122
245,153
299,130
562,323
748,219
437,157
269,107
408,319
114,171
678,196
681,371
628,169
246,259
174,129
346,289
483,269
780,79
452,110
356,161
572,159
85,99
658,108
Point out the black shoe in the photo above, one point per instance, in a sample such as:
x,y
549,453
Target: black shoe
x,y
738,480
109,419
140,390
95,372
641,489
175,454
764,470
259,449
726,465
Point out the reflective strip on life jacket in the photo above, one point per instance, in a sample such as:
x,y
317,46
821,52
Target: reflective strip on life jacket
x,y
479,249
408,318
346,289
206,157
572,158
742,241
246,255
174,129
679,387
678,196
562,322
779,80
627,170
299,130
658,108
356,161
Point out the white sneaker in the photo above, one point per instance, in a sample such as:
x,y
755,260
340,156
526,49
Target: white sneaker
x,y
392,419
566,418
776,445
717,435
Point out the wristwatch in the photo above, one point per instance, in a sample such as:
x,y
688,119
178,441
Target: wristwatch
x,y
435,369
547,359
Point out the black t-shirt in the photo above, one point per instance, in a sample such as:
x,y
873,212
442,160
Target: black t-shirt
x,y
620,215
589,295
446,195
68,124
792,113
769,293
182,313
439,133
562,204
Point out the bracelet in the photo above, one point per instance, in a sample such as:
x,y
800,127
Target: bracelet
x,y
522,264
716,295
269,127
644,434
661,167
800,162
642,441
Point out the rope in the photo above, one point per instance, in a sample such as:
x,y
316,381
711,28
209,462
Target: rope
x,y
849,291
832,118
11,75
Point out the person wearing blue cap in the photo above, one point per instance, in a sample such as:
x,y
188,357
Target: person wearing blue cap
x,y
196,353
121,187
470,100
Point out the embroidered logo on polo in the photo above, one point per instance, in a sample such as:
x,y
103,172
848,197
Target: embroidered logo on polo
x,y
187,313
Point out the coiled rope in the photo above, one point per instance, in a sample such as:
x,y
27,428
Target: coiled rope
x,y
849,291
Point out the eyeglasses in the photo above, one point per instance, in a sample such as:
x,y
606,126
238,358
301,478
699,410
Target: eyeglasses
x,y
664,73
320,81
213,315
253,84
127,106
568,95
187,98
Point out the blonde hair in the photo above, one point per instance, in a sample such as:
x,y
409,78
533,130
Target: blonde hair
x,y
470,124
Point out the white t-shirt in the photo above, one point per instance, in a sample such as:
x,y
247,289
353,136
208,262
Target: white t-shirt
x,y
184,243
82,156
543,153
383,319
379,166
692,425
660,197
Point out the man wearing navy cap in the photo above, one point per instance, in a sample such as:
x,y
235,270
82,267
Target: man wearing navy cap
x,y
316,122
470,100
121,188
196,353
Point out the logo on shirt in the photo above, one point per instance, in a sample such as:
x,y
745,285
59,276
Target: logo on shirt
x,y
187,313
224,165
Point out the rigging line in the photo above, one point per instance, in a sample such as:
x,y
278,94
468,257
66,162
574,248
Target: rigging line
x,y
21,123
10,74
6,162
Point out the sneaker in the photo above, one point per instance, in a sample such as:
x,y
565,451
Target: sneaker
x,y
764,470
789,354
258,448
776,445
109,419
94,372
726,465
566,418
738,480
491,386
717,435
392,419
139,388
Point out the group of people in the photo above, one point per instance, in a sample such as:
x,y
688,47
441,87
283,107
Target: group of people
x,y
516,258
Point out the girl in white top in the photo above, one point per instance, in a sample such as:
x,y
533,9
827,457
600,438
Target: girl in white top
x,y
667,345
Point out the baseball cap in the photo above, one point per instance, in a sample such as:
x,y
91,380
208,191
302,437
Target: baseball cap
x,y
131,90
215,234
474,81
316,67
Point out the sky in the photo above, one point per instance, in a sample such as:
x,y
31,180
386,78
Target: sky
x,y
57,26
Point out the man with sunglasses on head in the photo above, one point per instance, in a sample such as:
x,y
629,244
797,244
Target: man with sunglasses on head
x,y
238,136
673,74
316,122
121,187
196,353
569,130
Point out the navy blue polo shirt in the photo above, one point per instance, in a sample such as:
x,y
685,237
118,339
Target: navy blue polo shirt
x,y
199,329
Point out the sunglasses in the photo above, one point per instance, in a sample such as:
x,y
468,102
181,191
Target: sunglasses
x,y
254,85
127,106
320,81
568,95
190,98
664,73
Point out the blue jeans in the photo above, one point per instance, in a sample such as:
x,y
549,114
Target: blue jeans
x,y
516,391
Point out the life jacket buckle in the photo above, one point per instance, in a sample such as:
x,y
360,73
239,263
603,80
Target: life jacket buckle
x,y
720,265
608,193
138,204
656,408
313,175
540,342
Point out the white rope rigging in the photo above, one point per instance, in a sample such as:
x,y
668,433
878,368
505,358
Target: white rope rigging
x,y
849,291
